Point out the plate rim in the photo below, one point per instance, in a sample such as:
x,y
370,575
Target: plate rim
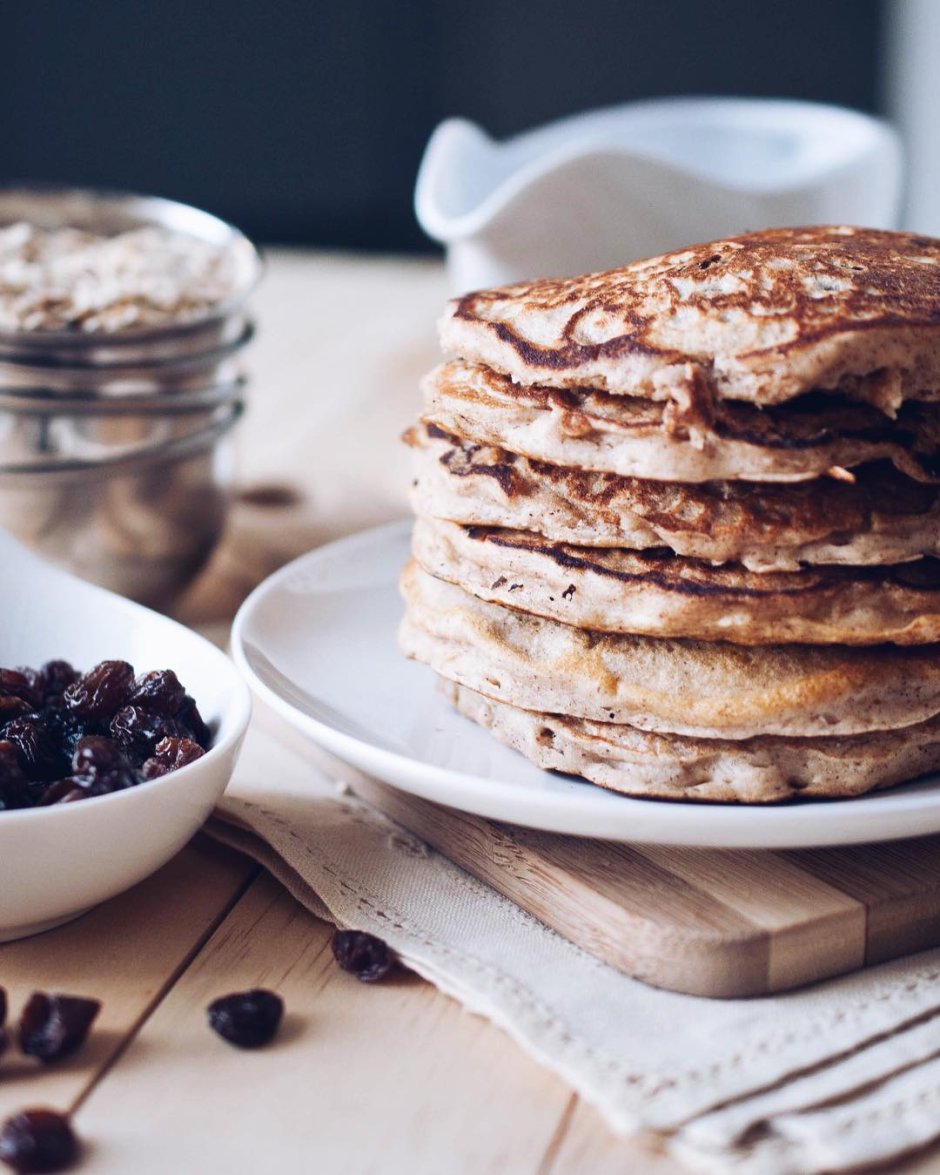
x,y
745,826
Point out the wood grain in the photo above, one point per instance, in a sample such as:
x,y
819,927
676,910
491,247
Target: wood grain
x,y
585,1145
898,883
706,922
362,1079
125,953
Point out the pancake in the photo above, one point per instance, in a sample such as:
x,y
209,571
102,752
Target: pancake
x,y
762,317
703,689
637,438
760,770
882,517
665,595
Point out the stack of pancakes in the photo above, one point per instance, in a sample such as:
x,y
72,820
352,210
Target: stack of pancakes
x,y
678,522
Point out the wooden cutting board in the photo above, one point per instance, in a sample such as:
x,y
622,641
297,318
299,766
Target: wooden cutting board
x,y
707,922
721,923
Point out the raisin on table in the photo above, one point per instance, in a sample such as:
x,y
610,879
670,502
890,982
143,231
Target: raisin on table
x,y
248,1019
38,1140
54,1026
363,955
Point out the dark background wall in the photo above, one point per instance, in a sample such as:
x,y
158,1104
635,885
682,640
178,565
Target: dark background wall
x,y
304,122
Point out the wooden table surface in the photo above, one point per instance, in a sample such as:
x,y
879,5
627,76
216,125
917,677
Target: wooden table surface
x,y
386,1078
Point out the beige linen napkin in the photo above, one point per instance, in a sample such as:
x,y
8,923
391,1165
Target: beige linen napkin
x,y
824,1079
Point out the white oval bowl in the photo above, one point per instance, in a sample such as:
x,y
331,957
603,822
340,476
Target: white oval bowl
x,y
57,862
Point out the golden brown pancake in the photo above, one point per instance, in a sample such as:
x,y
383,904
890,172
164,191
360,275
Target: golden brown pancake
x,y
762,317
703,689
755,771
632,437
652,593
678,522
880,517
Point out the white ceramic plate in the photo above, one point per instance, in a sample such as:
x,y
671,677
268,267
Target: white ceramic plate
x,y
317,642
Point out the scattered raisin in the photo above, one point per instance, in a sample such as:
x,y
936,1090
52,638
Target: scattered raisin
x,y
38,1140
247,1019
363,955
53,1026
100,692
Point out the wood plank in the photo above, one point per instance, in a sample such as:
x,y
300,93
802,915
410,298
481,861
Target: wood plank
x,y
899,884
125,953
703,922
391,1077
584,1144
609,899
814,929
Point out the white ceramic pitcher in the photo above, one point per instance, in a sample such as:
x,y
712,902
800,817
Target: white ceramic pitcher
x,y
596,190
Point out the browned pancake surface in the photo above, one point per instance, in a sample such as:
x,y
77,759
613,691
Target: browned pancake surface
x,y
762,317
704,689
880,517
754,771
655,593
702,441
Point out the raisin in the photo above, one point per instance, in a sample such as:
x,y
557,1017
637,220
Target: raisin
x,y
99,693
53,1026
57,676
169,755
138,731
99,767
247,1019
363,955
39,750
14,790
63,791
12,707
95,754
38,1140
189,717
159,691
65,736
22,683
65,727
